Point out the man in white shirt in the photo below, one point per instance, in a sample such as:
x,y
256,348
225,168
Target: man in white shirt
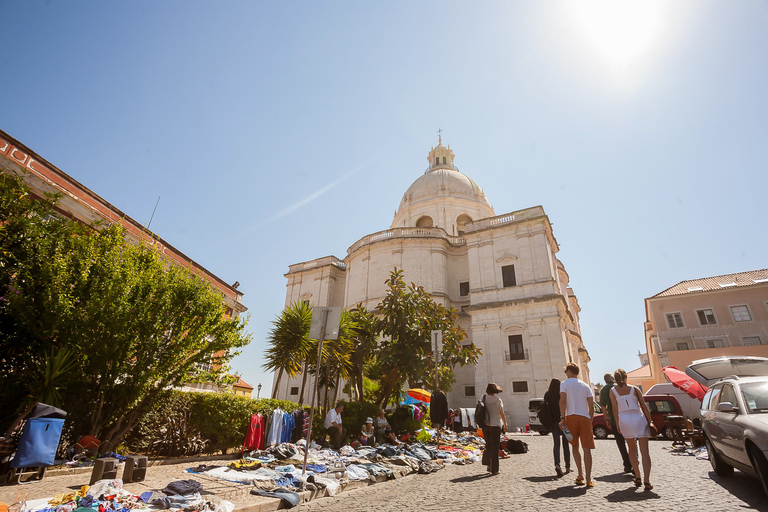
x,y
576,411
334,427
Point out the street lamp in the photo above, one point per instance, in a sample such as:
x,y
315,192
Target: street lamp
x,y
258,390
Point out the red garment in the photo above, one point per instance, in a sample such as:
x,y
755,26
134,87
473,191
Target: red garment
x,y
254,437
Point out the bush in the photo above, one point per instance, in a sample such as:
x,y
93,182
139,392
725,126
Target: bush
x,y
354,416
194,423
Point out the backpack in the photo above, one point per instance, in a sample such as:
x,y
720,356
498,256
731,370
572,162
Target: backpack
x,y
481,413
545,414
517,446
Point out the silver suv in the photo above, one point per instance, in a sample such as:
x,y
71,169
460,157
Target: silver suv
x,y
734,413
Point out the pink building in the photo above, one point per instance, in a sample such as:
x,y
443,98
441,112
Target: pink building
x,y
707,317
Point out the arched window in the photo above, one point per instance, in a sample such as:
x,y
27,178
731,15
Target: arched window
x,y
461,223
424,222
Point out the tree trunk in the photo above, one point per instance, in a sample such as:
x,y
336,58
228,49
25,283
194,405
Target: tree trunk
x,y
303,381
277,383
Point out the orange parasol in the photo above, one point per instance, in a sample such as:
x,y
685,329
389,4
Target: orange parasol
x,y
422,395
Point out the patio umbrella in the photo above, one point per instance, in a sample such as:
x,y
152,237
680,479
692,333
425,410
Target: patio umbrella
x,y
682,381
422,395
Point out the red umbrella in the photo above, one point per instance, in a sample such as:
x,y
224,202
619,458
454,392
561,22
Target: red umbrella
x,y
682,381
422,395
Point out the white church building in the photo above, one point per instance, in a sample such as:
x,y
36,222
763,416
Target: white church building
x,y
500,272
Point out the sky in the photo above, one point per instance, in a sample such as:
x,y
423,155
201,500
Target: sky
x,y
279,132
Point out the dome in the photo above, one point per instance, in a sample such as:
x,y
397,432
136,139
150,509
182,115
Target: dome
x,y
442,197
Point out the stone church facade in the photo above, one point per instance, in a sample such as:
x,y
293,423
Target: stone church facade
x,y
500,272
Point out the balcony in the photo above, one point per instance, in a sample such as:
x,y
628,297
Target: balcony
x,y
394,233
517,356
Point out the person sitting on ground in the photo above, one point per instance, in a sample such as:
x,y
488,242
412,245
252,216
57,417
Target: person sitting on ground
x,y
366,435
383,429
334,428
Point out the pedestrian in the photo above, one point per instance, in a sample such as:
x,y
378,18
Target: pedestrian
x,y
334,427
577,404
552,400
366,433
634,421
607,408
493,429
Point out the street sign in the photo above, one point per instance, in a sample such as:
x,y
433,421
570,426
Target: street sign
x,y
332,317
437,345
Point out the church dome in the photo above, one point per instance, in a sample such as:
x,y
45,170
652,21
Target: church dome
x,y
442,197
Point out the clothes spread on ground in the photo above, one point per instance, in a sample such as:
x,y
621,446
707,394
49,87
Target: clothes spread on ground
x,y
290,499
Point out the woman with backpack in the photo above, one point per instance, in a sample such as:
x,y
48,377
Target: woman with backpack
x,y
492,430
551,406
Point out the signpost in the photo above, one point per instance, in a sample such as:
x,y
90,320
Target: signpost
x,y
325,325
437,354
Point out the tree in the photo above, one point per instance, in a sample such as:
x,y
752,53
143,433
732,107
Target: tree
x,y
365,343
289,342
138,324
407,315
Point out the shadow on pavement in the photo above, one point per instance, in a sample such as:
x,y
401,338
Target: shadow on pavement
x,y
549,478
616,478
568,491
632,494
470,478
744,487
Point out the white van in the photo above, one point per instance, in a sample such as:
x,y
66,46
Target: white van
x,y
691,406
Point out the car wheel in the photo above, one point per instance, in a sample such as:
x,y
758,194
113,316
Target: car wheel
x,y
544,432
760,465
670,433
600,432
718,465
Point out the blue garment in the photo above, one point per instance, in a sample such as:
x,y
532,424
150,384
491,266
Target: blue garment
x,y
288,425
290,499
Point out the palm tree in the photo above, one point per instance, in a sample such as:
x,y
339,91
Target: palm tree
x,y
289,341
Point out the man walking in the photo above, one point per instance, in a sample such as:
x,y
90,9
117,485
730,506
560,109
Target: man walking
x,y
334,427
576,410
605,405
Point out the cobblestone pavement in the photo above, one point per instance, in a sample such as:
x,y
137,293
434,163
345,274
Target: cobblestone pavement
x,y
527,482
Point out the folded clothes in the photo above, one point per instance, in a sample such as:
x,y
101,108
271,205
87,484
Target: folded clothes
x,y
182,487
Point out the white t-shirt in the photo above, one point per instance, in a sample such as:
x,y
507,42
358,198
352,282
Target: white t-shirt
x,y
576,394
331,418
494,404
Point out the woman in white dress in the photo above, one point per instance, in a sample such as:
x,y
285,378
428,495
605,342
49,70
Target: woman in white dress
x,y
633,420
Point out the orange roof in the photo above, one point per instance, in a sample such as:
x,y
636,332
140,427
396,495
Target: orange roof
x,y
643,371
724,282
241,383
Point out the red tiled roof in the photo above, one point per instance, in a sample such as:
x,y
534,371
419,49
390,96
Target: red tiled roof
x,y
242,384
724,282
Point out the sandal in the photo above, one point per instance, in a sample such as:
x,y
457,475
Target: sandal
x,y
591,484
648,486
579,481
638,482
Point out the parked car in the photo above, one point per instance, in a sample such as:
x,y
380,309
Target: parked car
x,y
660,406
691,406
734,413
533,417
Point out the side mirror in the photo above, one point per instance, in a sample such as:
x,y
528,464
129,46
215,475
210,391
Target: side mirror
x,y
727,407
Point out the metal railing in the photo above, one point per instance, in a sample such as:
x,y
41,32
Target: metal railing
x,y
517,356
441,166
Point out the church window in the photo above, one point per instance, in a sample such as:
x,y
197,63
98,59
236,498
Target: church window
x,y
464,289
508,276
516,349
520,386
295,390
461,223
424,222
469,390
444,161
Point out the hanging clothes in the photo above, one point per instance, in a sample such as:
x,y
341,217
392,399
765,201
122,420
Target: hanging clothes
x,y
298,421
438,408
288,426
276,429
254,436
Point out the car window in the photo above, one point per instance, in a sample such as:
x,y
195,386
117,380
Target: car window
x,y
715,397
705,401
755,396
729,395
661,406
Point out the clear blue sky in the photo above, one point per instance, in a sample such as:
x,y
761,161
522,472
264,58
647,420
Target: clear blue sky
x,y
279,132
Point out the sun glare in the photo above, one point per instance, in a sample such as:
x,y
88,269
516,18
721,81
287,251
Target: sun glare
x,y
621,31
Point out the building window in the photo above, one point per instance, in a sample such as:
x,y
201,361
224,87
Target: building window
x,y
295,390
706,317
751,341
741,313
469,390
520,386
508,276
682,345
464,289
674,320
444,161
424,222
718,343
516,350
